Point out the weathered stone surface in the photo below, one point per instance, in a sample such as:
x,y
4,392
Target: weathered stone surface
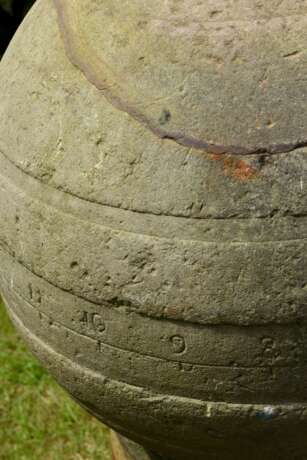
x,y
154,217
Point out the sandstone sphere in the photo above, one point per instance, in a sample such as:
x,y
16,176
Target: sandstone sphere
x,y
153,196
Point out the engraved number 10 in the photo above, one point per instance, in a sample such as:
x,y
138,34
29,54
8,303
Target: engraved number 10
x,y
93,321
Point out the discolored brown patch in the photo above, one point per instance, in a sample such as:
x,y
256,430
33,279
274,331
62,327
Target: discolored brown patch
x,y
236,168
239,169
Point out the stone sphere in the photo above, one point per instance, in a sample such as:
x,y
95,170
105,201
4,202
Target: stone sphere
x,y
153,231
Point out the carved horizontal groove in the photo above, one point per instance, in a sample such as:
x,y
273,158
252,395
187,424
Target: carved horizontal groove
x,y
228,409
135,309
173,218
101,82
141,394
84,370
148,355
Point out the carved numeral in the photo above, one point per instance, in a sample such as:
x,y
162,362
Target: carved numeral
x,y
179,345
34,294
93,321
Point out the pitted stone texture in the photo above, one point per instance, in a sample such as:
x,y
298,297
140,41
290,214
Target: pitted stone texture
x,y
199,62
164,285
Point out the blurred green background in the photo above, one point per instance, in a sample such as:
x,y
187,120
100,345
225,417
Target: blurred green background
x,y
38,421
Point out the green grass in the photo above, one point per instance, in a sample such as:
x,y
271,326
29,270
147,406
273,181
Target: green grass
x,y
38,421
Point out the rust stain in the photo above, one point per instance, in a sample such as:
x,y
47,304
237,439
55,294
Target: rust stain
x,y
239,169
236,168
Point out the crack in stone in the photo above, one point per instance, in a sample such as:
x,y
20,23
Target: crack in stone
x,y
101,83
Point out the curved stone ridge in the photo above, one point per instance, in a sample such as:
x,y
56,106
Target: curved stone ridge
x,y
140,266
208,425
122,344
215,229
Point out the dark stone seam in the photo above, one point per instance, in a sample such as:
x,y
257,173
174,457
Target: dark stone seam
x,y
104,86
